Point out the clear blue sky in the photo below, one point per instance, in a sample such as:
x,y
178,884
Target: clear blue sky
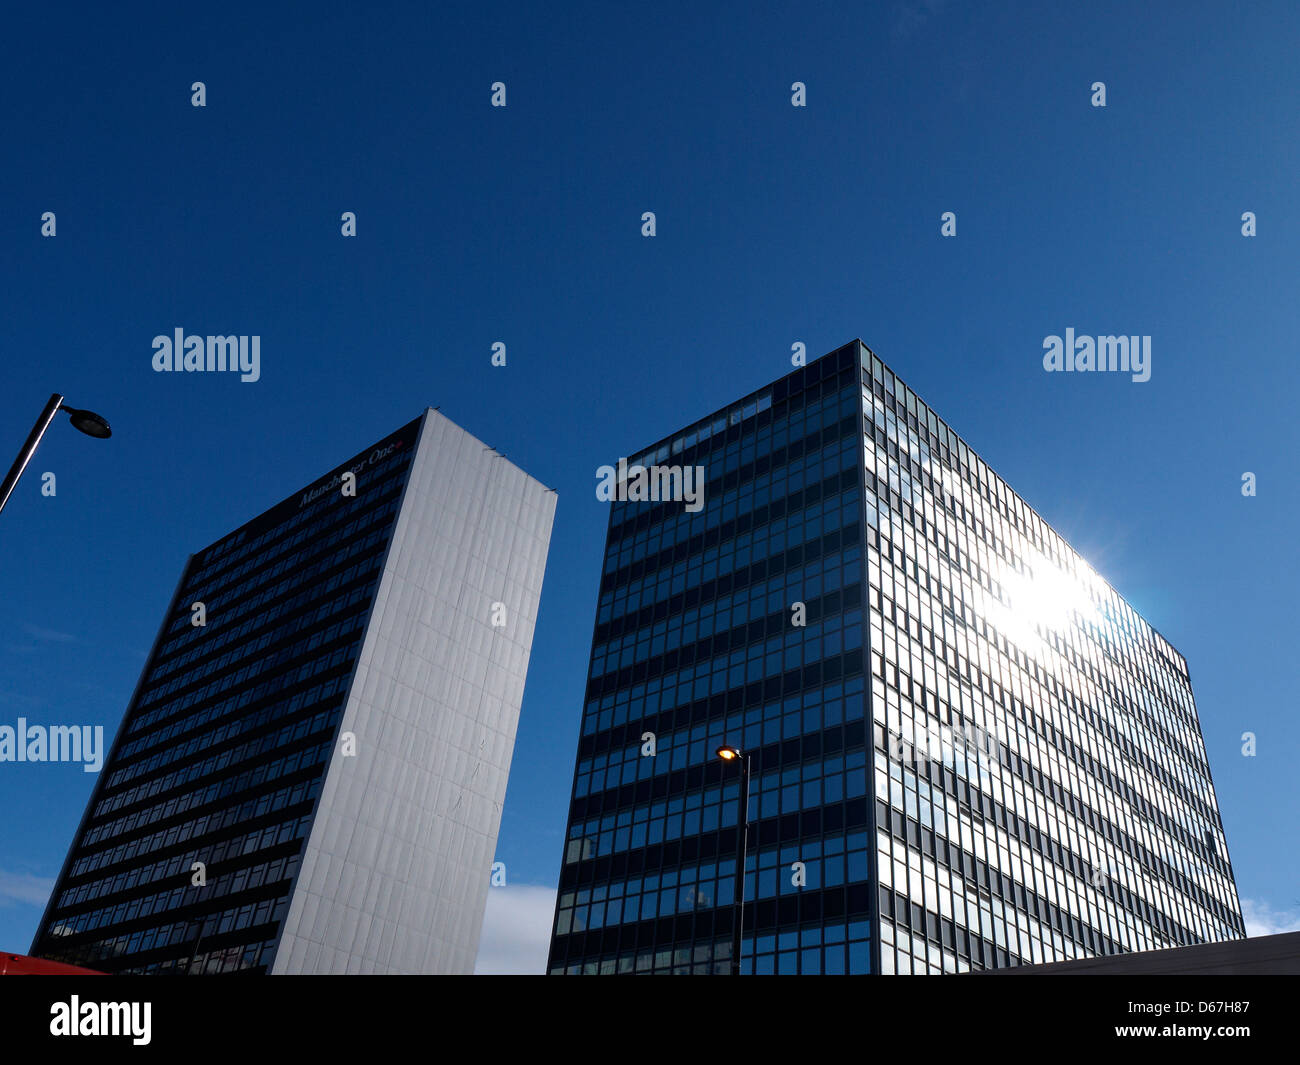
x,y
522,225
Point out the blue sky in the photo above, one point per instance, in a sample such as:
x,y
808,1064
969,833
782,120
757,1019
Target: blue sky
x,y
775,224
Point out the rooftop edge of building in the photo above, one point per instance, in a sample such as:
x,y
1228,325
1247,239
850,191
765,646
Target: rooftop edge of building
x,y
404,435
644,454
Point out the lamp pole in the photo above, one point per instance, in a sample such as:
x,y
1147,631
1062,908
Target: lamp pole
x,y
734,754
202,922
86,421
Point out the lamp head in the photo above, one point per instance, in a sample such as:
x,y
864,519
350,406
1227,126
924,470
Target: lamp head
x,y
89,422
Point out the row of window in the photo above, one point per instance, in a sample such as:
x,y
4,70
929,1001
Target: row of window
x,y
957,631
206,732
813,522
214,563
742,622
712,885
162,902
1154,790
695,743
226,785
1005,512
290,704
790,648
764,598
836,948
832,700
765,484
943,905
660,586
794,423
787,790
340,658
221,709
1110,785
204,824
171,806
824,573
226,631
327,552
698,434
1168,781
186,934
222,850
163,692
236,959
320,586
913,796
697,684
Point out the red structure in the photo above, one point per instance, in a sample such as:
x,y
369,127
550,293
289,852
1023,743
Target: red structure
x,y
21,965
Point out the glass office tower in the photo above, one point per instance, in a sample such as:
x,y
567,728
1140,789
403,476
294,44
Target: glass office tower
x,y
311,780
968,751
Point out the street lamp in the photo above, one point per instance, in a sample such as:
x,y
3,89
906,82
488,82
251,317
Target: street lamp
x,y
733,754
202,922
86,421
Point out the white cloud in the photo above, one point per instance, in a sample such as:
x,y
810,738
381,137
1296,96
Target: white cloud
x,y
49,635
24,888
516,931
1263,920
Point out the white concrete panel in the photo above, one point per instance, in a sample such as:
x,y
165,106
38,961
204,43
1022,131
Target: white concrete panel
x,y
406,830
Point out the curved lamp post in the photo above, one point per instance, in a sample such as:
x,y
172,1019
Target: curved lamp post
x,y
86,421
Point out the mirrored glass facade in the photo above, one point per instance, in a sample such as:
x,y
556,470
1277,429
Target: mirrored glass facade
x,y
1042,787
694,644
968,751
